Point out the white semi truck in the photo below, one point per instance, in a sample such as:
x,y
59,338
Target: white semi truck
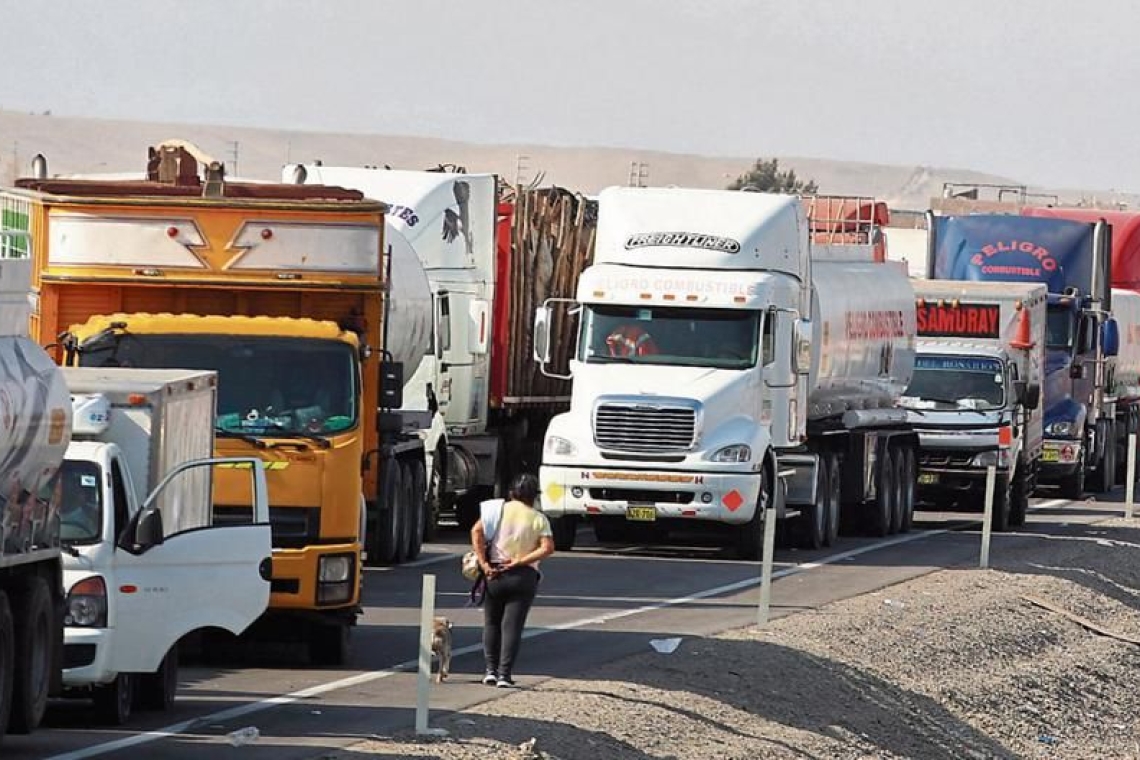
x,y
975,396
97,585
731,357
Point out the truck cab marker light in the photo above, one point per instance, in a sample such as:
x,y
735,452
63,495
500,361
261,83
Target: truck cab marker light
x,y
266,234
287,276
172,232
128,589
149,272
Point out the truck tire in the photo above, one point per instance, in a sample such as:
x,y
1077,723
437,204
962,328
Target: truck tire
x,y
1073,486
1019,496
749,542
835,497
405,513
999,518
33,652
910,488
113,701
7,661
1104,479
883,507
329,644
157,691
898,461
433,496
811,526
386,527
419,508
565,530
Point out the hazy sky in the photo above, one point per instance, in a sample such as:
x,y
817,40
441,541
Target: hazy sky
x,y
1046,91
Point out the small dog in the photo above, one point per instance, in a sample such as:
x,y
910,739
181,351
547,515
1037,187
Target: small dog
x,y
441,646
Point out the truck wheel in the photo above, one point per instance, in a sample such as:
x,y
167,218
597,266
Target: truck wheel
x,y
898,462
910,488
834,497
1104,480
883,507
7,661
433,497
999,519
33,651
750,536
329,644
1019,496
156,691
418,508
1073,486
387,523
811,525
405,513
565,531
113,701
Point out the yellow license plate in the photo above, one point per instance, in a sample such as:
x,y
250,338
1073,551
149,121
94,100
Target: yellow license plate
x,y
641,514
927,478
1050,455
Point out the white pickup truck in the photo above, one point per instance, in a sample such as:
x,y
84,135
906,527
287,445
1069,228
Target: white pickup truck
x,y
142,571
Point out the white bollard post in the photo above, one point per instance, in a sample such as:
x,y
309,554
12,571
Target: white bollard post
x,y
423,677
1130,482
991,477
766,564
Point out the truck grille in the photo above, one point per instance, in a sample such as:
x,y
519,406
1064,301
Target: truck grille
x,y
291,527
945,458
644,429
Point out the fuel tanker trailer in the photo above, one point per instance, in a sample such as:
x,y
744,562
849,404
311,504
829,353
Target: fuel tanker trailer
x,y
736,350
35,429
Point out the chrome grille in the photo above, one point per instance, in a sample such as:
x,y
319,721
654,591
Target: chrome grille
x,y
644,429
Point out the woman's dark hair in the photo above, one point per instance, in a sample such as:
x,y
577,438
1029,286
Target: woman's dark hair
x,y
524,488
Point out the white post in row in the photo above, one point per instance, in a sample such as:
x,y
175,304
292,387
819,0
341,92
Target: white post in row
x,y
987,528
423,677
1130,482
766,564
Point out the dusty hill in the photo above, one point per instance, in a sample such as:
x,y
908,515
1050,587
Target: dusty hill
x,y
75,145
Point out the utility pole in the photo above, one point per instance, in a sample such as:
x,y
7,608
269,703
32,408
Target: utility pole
x,y
638,174
521,168
234,155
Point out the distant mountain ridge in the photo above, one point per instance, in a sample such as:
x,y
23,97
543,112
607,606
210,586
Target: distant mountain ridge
x,y
79,145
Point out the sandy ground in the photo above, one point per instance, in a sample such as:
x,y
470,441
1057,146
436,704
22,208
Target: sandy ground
x,y
956,664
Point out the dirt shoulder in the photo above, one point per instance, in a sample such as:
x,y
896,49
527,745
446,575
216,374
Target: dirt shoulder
x,y
957,664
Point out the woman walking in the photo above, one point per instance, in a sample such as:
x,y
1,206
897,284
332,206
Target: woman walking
x,y
510,541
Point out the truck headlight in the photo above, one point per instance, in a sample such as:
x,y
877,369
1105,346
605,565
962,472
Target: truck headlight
x,y
737,452
1061,427
87,604
999,458
335,569
559,446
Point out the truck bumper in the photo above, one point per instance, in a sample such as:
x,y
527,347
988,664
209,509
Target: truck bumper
x,y
1059,459
86,655
965,484
296,583
648,495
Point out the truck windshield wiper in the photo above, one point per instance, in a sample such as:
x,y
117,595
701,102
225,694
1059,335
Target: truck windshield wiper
x,y
251,439
286,432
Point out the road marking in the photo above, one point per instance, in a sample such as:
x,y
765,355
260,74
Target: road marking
x,y
376,675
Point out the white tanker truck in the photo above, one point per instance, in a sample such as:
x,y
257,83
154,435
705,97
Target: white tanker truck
x,y
736,350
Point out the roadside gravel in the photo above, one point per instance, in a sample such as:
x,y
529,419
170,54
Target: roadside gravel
x,y
956,664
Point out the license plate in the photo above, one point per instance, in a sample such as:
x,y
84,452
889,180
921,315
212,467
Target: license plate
x,y
641,514
1050,455
927,478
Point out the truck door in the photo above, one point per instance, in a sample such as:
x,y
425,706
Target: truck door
x,y
463,335
207,576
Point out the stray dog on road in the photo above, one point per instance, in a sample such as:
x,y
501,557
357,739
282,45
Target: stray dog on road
x,y
441,646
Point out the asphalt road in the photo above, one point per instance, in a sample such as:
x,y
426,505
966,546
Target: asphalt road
x,y
595,605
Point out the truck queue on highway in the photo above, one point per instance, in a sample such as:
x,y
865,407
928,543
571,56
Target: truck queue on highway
x,y
251,390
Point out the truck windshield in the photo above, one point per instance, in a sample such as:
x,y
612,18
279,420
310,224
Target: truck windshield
x,y
719,338
956,382
81,503
266,385
1060,323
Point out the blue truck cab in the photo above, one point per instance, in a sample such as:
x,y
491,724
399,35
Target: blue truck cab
x,y
1072,259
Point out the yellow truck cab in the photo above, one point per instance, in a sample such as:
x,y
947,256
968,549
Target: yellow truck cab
x,y
281,289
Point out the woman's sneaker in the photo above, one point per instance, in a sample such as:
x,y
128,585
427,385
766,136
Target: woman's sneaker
x,y
490,679
505,682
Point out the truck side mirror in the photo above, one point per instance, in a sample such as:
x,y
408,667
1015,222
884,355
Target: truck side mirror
x,y
149,533
543,318
1020,388
1032,396
391,385
801,351
1110,337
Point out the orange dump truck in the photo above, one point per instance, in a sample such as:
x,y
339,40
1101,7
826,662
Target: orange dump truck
x,y
282,290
